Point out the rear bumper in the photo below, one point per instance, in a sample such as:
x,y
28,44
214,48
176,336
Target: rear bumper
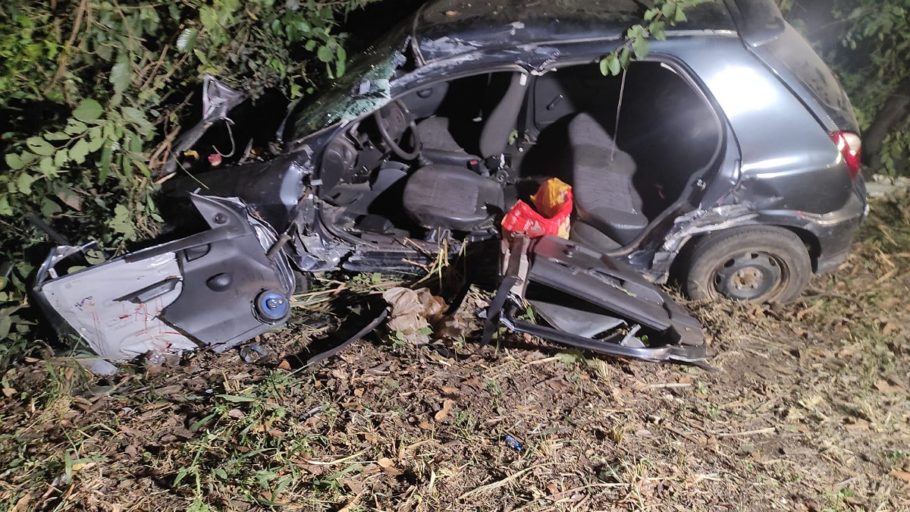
x,y
835,230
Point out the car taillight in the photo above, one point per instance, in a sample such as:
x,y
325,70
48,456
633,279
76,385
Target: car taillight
x,y
850,146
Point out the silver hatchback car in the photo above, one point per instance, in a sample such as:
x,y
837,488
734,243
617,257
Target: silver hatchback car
x,y
729,159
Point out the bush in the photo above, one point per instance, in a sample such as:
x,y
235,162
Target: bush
x,y
92,93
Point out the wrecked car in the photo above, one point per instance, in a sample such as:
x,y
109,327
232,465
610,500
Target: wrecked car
x,y
728,158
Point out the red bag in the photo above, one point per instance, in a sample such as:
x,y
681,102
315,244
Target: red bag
x,y
555,197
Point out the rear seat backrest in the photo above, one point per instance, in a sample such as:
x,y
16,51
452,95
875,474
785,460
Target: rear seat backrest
x,y
605,196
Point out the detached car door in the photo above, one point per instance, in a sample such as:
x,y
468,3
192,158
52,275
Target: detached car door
x,y
590,301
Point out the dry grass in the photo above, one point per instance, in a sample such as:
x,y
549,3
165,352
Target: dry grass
x,y
809,410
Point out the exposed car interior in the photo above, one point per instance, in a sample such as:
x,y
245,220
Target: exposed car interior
x,y
449,159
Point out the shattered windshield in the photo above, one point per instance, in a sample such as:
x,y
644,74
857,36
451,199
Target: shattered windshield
x,y
365,87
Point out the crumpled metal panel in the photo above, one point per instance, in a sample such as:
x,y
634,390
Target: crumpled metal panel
x,y
200,290
92,303
217,101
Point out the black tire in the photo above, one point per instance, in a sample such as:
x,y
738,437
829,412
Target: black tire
x,y
753,263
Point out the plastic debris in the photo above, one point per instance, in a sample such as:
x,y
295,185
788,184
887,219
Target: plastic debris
x,y
549,215
513,443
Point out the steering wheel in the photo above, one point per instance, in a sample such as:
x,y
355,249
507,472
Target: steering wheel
x,y
394,121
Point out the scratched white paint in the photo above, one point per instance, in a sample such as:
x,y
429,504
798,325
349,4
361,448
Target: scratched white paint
x,y
119,330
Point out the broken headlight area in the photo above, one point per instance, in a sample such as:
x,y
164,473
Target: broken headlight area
x,y
591,302
217,288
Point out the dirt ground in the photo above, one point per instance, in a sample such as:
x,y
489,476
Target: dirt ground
x,y
808,409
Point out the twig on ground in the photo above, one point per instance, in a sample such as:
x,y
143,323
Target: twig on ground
x,y
769,430
496,485
337,461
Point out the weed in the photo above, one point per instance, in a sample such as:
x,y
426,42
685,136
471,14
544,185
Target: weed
x,y
492,387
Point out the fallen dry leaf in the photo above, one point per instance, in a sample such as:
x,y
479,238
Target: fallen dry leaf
x,y
79,466
443,413
850,350
891,328
354,485
22,504
388,467
886,387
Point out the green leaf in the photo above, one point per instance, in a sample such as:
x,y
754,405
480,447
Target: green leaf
x,y
680,16
209,18
120,77
569,358
56,136
625,56
95,139
24,183
79,151
187,39
340,69
5,208
341,62
13,161
74,127
47,166
324,54
39,146
61,157
49,208
122,222
181,474
104,165
6,322
88,110
135,116
605,65
640,47
657,30
615,66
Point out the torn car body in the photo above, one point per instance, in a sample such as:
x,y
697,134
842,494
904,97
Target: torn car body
x,y
216,288
440,127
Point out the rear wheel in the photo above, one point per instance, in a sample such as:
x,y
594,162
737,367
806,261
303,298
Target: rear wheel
x,y
753,264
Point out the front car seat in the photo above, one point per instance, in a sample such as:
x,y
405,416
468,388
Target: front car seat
x,y
439,146
455,198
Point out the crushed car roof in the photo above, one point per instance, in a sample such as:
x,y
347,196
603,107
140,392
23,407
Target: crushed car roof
x,y
446,28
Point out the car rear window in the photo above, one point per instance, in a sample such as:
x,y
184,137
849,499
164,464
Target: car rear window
x,y
792,51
